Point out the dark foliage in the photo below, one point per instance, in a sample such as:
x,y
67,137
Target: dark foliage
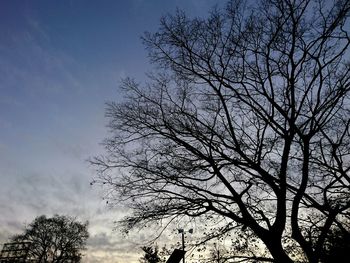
x,y
57,239
151,255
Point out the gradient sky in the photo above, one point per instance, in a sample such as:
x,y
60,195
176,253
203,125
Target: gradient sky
x,y
60,61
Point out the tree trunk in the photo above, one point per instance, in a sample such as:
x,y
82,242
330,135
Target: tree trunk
x,y
274,245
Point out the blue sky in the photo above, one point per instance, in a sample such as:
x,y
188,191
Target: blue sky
x,y
60,61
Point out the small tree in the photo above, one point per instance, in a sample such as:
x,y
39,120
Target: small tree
x,y
56,239
151,255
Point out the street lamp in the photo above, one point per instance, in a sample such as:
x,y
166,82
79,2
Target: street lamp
x,y
182,232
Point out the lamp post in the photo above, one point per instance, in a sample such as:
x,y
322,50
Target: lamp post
x,y
182,232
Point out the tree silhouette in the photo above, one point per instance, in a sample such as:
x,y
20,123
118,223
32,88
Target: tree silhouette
x,y
245,125
151,255
57,239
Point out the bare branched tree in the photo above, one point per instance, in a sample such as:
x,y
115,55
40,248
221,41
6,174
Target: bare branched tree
x,y
246,122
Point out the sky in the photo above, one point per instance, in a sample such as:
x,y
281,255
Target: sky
x,y
60,62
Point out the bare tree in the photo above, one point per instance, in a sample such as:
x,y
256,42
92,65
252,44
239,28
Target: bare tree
x,y
57,239
245,123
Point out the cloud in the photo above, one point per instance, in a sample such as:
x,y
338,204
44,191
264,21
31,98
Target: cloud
x,y
111,248
105,242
